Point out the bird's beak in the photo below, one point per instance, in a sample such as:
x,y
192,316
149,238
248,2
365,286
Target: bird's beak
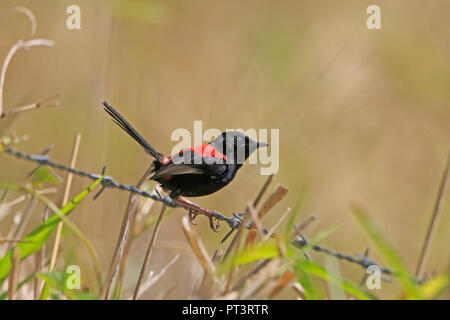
x,y
262,144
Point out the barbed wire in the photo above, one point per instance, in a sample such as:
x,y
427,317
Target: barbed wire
x,y
234,223
362,260
109,182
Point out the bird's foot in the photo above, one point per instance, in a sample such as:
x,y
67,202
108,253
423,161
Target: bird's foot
x,y
212,215
195,210
192,215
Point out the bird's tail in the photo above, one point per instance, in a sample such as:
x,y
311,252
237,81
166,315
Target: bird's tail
x,y
128,128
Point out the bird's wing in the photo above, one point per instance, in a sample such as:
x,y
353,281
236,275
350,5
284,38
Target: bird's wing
x,y
177,169
188,162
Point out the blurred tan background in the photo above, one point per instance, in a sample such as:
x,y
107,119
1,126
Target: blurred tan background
x,y
364,116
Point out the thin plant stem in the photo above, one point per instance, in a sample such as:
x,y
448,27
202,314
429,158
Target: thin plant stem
x,y
76,147
17,233
255,204
236,241
123,237
149,252
40,260
433,221
154,278
14,275
18,45
35,105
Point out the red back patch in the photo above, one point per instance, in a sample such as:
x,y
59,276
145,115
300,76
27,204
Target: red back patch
x,y
205,150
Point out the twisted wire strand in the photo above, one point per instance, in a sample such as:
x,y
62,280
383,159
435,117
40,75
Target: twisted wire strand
x,y
362,260
109,182
234,223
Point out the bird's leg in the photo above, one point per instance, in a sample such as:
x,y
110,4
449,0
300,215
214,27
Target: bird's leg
x,y
211,214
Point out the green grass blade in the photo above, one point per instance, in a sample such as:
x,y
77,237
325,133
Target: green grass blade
x,y
73,227
388,253
311,291
57,280
291,222
253,254
38,236
44,174
321,272
2,198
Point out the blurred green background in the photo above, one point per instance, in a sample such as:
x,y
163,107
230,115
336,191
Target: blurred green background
x,y
364,116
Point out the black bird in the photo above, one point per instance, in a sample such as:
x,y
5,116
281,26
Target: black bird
x,y
195,171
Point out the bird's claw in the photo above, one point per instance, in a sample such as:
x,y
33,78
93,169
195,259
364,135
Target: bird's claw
x,y
211,216
192,215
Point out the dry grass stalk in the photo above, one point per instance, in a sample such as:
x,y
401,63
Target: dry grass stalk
x,y
258,281
20,44
297,287
305,223
229,279
281,246
140,226
263,190
433,221
218,253
258,198
279,222
76,147
265,289
50,102
233,295
284,280
152,279
208,288
235,244
38,257
198,247
40,260
127,222
208,284
236,241
256,219
20,228
279,193
261,264
14,275
5,208
149,251
177,247
143,208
